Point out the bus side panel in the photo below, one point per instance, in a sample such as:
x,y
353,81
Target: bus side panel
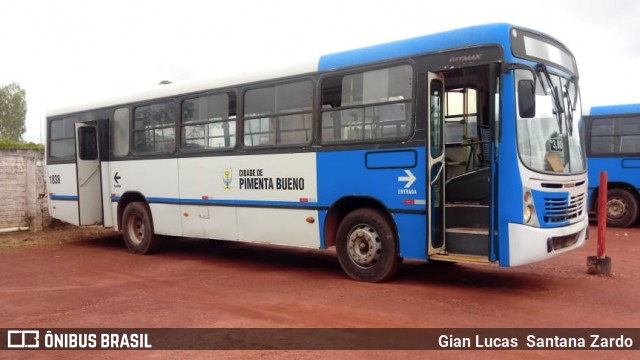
x,y
619,170
412,235
106,194
209,221
279,226
395,177
166,218
63,192
157,181
255,198
114,214
263,180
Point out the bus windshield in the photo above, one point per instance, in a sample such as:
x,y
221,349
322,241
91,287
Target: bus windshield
x,y
548,136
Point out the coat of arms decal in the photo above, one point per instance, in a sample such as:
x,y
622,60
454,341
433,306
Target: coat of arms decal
x,y
227,178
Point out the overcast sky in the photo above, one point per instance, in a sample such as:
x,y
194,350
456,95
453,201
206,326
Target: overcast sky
x,y
70,52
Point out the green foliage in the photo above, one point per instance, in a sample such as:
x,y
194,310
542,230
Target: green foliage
x,y
6,144
13,112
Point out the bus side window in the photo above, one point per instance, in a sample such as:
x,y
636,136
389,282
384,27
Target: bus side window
x,y
208,122
62,144
615,136
602,136
630,136
368,105
120,132
278,115
154,128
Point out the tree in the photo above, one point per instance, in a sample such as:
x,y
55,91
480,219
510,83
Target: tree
x,y
13,112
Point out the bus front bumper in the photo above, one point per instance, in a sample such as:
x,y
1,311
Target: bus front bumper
x,y
528,244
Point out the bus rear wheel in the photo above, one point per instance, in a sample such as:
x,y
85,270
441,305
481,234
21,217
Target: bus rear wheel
x,y
622,208
137,228
367,246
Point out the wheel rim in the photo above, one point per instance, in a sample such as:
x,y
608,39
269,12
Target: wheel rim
x,y
616,208
136,229
364,246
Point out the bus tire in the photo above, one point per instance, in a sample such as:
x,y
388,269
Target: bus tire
x,y
367,246
137,228
622,208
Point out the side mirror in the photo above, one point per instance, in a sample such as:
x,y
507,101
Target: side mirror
x,y
526,98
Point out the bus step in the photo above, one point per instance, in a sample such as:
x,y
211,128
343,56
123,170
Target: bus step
x,y
462,215
462,258
471,230
472,241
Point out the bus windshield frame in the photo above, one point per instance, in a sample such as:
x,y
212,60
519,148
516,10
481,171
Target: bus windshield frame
x,y
550,141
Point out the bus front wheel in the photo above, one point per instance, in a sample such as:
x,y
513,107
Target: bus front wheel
x,y
622,208
138,228
367,246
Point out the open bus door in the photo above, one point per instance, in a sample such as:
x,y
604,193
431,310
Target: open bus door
x,y
466,209
88,174
435,165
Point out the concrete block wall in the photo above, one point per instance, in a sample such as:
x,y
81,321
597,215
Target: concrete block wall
x,y
23,200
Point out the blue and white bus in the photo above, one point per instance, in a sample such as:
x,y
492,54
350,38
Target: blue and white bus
x,y
612,138
461,146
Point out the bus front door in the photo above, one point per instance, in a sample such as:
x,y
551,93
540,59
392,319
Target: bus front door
x,y
435,165
88,174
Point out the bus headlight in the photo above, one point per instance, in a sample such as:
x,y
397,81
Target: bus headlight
x,y
529,208
528,211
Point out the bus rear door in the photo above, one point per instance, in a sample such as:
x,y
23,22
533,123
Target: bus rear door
x,y
88,173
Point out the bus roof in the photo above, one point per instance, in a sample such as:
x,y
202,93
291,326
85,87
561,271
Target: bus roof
x,y
469,36
186,87
615,109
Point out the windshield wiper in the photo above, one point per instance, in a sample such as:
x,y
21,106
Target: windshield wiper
x,y
554,93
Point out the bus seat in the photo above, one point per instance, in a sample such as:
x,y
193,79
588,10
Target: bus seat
x,y
470,187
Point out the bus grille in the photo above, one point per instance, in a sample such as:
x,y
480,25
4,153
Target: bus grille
x,y
560,210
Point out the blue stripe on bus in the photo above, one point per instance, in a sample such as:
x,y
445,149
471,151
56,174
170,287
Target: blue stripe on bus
x,y
180,201
255,203
63,197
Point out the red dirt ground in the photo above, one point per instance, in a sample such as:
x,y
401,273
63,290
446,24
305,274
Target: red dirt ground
x,y
85,278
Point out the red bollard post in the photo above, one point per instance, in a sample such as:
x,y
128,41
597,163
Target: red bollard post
x,y
601,264
602,214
